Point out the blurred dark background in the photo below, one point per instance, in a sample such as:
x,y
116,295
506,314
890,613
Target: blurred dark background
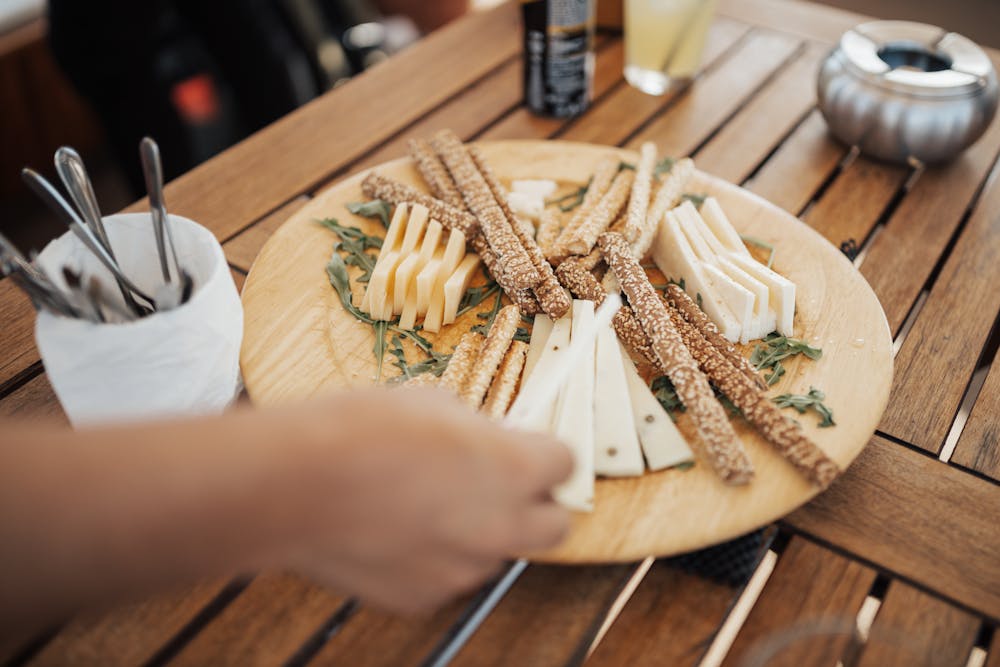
x,y
199,75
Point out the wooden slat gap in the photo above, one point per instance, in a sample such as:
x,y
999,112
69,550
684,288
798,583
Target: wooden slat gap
x,y
850,156
904,443
32,647
24,377
799,50
974,473
972,391
886,571
777,147
215,607
324,633
718,62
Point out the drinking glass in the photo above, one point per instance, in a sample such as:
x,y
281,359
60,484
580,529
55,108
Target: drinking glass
x,y
664,40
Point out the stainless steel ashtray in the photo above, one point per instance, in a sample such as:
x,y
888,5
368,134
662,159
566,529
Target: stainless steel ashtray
x,y
905,91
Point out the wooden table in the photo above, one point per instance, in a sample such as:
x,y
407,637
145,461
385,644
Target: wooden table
x,y
898,563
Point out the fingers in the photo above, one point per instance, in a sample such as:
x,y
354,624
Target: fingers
x,y
542,462
541,527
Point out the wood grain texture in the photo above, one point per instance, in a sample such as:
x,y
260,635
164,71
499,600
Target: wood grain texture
x,y
916,517
129,635
265,625
979,447
993,655
523,124
299,341
17,326
803,162
372,638
549,617
805,614
914,629
749,136
242,249
612,119
713,98
938,357
901,259
850,207
294,154
671,619
805,19
35,400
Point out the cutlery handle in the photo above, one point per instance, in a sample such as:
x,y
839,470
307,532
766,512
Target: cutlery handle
x,y
70,167
152,170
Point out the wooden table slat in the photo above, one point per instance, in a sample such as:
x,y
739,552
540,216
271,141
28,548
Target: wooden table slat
x,y
612,119
266,625
35,399
804,161
128,635
914,629
940,353
805,19
242,249
549,616
736,150
900,261
916,517
805,614
724,89
979,446
17,321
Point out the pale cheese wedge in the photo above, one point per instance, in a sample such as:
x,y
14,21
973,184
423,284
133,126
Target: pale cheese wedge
x,y
705,246
722,229
415,226
526,205
453,254
617,452
574,421
739,299
540,331
411,266
389,252
540,187
763,314
554,348
781,289
426,280
456,284
662,444
674,256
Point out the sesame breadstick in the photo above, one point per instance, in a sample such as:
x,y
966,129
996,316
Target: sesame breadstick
x,y
679,299
603,176
582,240
549,228
782,432
667,197
642,185
488,360
550,294
584,285
434,172
722,446
481,202
595,257
460,365
394,192
501,393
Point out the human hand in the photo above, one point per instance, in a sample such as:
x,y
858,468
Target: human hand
x,y
424,500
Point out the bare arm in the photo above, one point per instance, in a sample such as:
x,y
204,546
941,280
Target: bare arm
x,y
404,511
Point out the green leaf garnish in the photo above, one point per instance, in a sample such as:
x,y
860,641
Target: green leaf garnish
x,y
377,208
695,198
665,393
811,401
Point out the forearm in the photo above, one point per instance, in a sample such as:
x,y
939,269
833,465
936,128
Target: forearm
x,y
91,517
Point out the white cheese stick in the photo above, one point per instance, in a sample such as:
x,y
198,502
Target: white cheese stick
x,y
574,420
739,299
616,445
722,229
533,400
540,331
763,314
781,289
541,187
662,444
674,256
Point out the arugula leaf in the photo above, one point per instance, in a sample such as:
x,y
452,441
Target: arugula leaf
x,y
377,208
664,166
574,198
489,317
380,327
355,244
336,271
695,198
811,401
776,347
475,296
665,393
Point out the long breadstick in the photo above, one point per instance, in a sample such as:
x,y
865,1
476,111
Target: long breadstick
x,y
584,285
638,202
460,365
434,172
680,300
786,436
494,348
667,197
548,231
603,176
480,200
722,446
501,392
551,296
585,235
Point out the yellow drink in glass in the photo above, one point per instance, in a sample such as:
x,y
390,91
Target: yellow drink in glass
x,y
664,40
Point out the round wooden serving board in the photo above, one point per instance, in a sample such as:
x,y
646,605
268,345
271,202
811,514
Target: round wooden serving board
x,y
299,342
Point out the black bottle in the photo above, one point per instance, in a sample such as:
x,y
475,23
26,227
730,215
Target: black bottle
x,y
558,56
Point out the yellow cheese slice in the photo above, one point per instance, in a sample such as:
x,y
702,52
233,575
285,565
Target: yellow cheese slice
x,y
415,226
411,266
373,302
452,257
425,281
540,331
457,283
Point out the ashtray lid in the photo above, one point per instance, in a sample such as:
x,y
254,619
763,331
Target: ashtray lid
x,y
916,58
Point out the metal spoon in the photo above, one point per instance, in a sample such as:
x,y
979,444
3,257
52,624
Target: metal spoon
x,y
152,169
70,167
48,194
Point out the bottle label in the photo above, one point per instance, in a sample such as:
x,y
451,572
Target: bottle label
x,y
558,55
